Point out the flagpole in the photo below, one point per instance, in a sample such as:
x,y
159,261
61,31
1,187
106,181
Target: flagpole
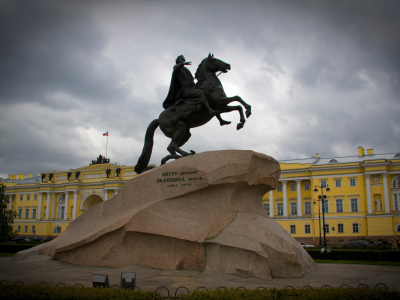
x,y
107,143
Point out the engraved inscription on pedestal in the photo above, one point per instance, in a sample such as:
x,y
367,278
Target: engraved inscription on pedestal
x,y
176,179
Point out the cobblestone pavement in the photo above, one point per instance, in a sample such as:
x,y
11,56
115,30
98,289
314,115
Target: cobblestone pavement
x,y
42,268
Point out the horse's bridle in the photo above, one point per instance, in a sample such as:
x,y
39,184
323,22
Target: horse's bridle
x,y
211,75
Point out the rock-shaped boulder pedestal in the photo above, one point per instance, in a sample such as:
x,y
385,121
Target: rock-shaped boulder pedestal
x,y
201,212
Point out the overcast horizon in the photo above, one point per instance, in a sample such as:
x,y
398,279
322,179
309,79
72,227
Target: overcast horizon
x,y
321,77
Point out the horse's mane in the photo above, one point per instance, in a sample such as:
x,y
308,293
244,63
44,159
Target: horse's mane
x,y
196,75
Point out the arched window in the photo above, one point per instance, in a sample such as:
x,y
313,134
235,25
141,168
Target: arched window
x,y
333,161
61,198
397,228
57,229
396,182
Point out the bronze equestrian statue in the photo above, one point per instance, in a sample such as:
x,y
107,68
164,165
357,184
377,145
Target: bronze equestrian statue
x,y
190,105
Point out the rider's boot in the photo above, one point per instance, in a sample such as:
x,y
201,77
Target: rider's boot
x,y
222,122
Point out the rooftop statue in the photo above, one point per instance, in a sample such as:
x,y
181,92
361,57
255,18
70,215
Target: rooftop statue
x,y
190,105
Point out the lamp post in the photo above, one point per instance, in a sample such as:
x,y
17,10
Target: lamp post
x,y
319,217
322,198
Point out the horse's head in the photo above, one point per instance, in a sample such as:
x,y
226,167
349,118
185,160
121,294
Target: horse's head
x,y
211,65
216,65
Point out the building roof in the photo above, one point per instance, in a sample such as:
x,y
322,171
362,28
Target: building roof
x,y
27,180
319,161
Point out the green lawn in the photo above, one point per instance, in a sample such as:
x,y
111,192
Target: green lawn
x,y
357,262
7,254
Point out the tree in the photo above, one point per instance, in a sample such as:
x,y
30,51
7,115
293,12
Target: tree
x,y
6,217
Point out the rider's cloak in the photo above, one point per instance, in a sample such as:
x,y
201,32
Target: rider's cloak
x,y
181,78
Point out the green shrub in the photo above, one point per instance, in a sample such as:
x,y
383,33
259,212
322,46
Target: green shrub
x,y
28,292
367,255
14,248
16,292
306,294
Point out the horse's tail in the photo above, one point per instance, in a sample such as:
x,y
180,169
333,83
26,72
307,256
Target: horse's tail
x,y
147,147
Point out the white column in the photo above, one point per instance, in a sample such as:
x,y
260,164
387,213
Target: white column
x,y
48,206
271,204
39,212
66,206
285,208
53,208
368,189
105,195
75,203
116,191
386,192
11,200
299,208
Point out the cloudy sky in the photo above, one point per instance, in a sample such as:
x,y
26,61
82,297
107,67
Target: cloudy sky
x,y
321,76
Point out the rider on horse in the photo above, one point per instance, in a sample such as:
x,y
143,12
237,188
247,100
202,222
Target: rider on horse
x,y
182,88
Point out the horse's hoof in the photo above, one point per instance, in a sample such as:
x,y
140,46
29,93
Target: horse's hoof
x,y
239,126
192,152
248,112
225,123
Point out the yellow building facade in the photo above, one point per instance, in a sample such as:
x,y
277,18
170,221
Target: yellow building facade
x,y
45,206
363,201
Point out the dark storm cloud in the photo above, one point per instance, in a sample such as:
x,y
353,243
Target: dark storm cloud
x,y
51,47
322,76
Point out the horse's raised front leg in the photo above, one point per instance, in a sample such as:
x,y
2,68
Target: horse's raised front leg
x,y
227,100
240,110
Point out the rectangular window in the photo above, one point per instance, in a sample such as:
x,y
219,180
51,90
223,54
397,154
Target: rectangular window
x,y
306,186
18,228
266,207
44,211
323,183
33,213
396,202
307,228
340,228
292,229
33,229
325,206
25,228
354,205
293,187
21,197
341,241
60,212
352,182
326,228
293,208
307,208
27,213
19,213
28,197
279,210
34,197
355,228
280,188
339,205
338,182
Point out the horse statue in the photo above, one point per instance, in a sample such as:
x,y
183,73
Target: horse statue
x,y
176,120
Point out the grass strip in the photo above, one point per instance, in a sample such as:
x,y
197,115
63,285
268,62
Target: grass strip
x,y
358,262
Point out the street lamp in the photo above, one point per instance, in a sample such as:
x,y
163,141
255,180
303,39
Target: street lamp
x,y
322,198
319,217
